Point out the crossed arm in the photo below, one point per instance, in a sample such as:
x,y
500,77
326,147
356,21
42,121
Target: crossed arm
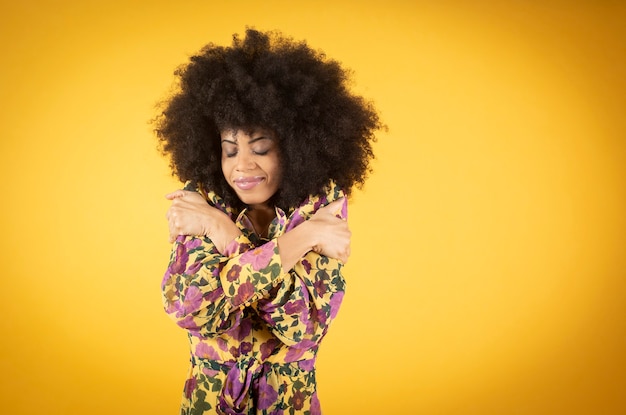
x,y
293,281
325,233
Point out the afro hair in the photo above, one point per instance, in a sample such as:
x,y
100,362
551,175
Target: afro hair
x,y
266,80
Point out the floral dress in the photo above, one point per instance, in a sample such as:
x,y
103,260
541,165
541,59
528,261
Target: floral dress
x,y
254,330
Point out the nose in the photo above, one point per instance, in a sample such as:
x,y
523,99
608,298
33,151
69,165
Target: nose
x,y
245,161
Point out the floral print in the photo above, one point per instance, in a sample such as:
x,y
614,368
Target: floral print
x,y
254,330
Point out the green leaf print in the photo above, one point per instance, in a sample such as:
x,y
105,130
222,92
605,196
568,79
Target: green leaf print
x,y
200,405
275,270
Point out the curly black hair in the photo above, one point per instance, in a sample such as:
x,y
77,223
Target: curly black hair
x,y
270,81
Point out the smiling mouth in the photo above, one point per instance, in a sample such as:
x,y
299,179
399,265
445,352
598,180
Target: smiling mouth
x,y
247,183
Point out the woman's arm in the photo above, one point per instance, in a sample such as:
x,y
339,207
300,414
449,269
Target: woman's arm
x,y
301,308
326,232
205,291
190,214
214,270
204,288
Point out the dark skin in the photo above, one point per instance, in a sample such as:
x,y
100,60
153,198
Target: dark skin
x,y
261,217
252,167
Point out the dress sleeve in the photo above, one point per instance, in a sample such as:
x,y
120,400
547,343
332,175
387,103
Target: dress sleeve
x,y
205,292
301,308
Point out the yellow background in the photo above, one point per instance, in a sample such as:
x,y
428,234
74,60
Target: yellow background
x,y
488,267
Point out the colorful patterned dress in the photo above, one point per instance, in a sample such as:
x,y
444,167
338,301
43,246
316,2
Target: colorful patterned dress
x,y
254,330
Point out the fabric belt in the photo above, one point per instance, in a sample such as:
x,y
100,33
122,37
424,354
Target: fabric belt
x,y
252,383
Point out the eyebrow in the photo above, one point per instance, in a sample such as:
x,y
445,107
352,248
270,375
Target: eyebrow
x,y
254,140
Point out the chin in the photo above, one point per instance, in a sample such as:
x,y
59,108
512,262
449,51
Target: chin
x,y
251,200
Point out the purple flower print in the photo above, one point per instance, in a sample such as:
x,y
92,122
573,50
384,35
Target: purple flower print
x,y
193,268
296,351
282,219
335,302
295,307
182,255
235,247
259,257
234,351
320,287
297,400
298,308
210,372
315,405
313,322
245,348
268,347
244,293
295,220
242,330
192,243
222,344
234,386
192,301
267,395
166,278
180,263
205,351
214,295
307,365
233,273
307,266
235,392
190,386
188,323
266,307
320,317
319,202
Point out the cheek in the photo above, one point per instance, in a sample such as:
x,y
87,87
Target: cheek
x,y
225,167
277,170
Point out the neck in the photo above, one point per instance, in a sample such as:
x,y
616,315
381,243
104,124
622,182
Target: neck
x,y
261,216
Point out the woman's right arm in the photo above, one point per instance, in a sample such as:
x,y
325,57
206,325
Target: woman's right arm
x,y
325,233
205,291
214,270
206,288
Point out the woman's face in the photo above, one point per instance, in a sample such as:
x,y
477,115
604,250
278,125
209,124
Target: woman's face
x,y
251,164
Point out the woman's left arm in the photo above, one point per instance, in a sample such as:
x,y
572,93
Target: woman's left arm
x,y
301,308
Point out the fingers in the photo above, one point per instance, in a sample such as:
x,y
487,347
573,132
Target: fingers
x,y
343,256
172,229
172,216
182,201
337,208
176,194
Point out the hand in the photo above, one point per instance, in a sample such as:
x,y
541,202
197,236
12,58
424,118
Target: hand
x,y
190,214
331,232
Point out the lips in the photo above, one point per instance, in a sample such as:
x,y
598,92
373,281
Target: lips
x,y
247,183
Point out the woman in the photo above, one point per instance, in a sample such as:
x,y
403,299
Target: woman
x,y
269,142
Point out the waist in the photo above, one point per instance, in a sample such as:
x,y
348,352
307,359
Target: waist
x,y
226,349
280,367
